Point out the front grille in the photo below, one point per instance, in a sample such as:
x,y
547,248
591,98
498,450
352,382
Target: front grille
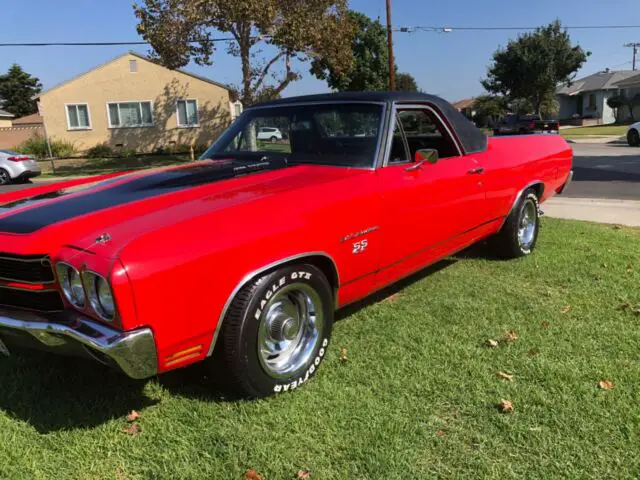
x,y
26,268
39,300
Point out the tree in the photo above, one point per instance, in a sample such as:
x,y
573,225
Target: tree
x,y
619,101
532,66
182,30
370,70
17,89
490,107
406,83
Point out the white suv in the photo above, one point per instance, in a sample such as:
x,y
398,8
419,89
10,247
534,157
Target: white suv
x,y
269,134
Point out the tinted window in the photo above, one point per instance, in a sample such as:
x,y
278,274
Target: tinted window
x,y
344,134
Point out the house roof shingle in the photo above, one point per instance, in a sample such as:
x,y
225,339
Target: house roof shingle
x,y
462,104
597,81
135,54
633,81
29,120
5,114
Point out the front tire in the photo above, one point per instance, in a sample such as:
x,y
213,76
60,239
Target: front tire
x,y
276,332
5,178
274,139
633,138
519,234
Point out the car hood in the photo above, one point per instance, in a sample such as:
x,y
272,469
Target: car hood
x,y
125,207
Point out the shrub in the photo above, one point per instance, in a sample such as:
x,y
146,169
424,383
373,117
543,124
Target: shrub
x,y
102,150
130,152
37,146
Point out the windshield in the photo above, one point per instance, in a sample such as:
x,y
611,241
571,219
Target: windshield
x,y
341,134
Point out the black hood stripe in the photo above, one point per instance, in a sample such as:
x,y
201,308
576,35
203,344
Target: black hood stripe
x,y
153,185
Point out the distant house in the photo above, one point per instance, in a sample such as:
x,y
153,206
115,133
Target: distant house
x,y
5,119
630,88
134,103
465,107
586,98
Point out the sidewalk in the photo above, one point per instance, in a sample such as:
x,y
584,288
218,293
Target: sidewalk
x,y
619,212
596,139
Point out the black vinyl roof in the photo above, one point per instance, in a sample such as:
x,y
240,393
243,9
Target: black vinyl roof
x,y
470,137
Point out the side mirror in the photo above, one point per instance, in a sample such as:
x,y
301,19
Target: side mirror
x,y
427,155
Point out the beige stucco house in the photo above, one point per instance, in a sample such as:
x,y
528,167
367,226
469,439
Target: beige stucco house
x,y
133,103
6,119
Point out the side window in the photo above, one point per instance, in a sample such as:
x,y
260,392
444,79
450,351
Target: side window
x,y
398,152
424,130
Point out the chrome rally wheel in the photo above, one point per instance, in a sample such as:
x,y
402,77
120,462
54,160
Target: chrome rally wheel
x,y
291,327
276,331
528,225
519,234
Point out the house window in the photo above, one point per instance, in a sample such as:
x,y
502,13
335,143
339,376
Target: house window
x,y
592,101
133,66
78,116
188,113
130,114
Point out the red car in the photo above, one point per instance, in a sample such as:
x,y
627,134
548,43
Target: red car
x,y
241,259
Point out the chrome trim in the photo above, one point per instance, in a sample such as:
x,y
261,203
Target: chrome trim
x,y
327,102
517,199
64,293
85,282
133,352
566,183
259,271
44,257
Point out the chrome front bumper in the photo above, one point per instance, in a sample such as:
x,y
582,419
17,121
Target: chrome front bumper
x,y
567,183
132,352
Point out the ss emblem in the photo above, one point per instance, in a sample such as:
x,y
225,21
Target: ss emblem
x,y
360,246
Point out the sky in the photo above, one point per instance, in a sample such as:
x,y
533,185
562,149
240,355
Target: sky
x,y
450,65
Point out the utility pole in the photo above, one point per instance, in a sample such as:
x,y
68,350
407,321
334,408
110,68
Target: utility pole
x,y
635,46
392,62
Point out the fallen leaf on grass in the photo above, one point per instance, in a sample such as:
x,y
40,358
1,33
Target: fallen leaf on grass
x,y
617,227
566,309
533,352
440,433
133,430
504,376
630,268
506,406
606,384
492,343
252,475
393,298
304,474
133,416
604,265
343,355
545,325
511,336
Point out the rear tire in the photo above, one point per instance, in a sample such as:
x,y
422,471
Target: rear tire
x,y
5,178
519,234
633,138
274,139
276,332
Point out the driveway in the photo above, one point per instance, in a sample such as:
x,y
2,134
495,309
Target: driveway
x,y
608,171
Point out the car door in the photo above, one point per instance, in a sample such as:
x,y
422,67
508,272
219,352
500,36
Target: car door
x,y
425,205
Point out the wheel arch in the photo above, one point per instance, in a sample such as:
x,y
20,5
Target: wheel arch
x,y
537,185
321,260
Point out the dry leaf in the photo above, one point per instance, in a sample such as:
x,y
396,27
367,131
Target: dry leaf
x,y
545,325
504,376
506,406
343,355
133,416
511,336
492,343
617,227
304,474
393,298
604,265
533,352
252,475
566,309
133,430
440,433
630,268
606,384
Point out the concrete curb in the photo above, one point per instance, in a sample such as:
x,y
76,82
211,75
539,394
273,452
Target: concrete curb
x,y
617,212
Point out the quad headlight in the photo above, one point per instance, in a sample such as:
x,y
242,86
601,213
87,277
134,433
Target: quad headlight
x,y
100,295
71,284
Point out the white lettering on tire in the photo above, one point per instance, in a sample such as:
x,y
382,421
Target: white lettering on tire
x,y
310,371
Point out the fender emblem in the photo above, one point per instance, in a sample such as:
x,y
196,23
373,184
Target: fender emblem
x,y
103,239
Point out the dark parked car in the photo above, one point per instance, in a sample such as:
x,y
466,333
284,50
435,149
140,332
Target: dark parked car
x,y
526,124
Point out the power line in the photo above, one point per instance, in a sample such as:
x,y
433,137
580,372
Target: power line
x,y
97,44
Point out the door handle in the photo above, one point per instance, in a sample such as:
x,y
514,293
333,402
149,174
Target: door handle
x,y
476,171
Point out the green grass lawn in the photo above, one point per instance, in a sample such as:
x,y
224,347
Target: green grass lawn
x,y
417,398
619,130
